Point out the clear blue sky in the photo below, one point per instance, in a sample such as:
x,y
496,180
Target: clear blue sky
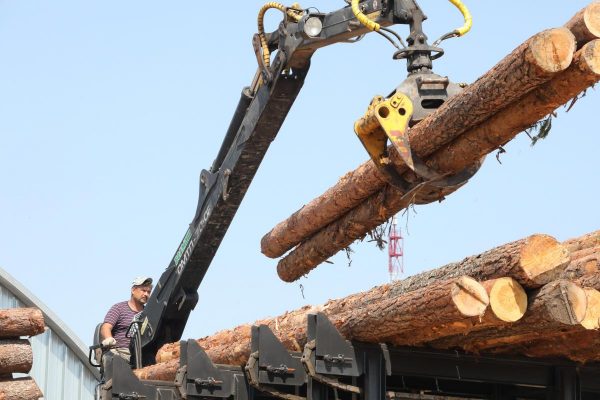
x,y
110,109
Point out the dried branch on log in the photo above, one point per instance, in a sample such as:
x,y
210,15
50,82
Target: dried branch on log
x,y
15,356
452,158
16,322
19,389
557,305
585,25
528,66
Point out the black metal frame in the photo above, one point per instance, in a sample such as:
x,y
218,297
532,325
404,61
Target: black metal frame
x,y
336,369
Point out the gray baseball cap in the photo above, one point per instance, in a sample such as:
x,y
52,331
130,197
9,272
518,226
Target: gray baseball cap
x,y
142,281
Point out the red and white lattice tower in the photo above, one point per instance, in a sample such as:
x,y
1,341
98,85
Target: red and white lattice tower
x,y
395,251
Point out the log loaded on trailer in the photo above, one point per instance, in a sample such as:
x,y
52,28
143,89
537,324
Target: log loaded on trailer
x,y
541,74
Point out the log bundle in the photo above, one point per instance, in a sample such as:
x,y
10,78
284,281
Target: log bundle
x,y
16,355
511,299
547,73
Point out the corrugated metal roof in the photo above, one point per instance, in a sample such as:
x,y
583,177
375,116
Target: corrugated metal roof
x,y
60,364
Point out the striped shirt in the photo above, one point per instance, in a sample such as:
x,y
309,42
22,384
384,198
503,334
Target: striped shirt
x,y
120,317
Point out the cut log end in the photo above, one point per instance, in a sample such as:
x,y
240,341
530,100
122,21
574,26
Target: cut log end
x,y
553,49
543,258
591,17
590,55
591,319
469,297
566,302
508,300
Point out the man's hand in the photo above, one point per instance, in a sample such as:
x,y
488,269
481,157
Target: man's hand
x,y
109,342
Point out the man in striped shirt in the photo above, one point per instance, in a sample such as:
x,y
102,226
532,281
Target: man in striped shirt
x,y
119,318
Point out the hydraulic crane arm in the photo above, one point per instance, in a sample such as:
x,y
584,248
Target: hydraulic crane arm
x,y
258,117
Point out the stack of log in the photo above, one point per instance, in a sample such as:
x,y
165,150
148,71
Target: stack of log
x,y
545,72
16,355
531,297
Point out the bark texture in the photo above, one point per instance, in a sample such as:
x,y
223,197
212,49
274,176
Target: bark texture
x,y
17,322
15,356
557,305
576,344
528,66
586,241
508,302
19,389
461,153
585,25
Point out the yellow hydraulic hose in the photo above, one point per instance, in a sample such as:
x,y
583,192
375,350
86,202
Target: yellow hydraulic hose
x,y
362,18
293,12
466,14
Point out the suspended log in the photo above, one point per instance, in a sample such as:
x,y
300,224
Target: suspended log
x,y
461,153
557,305
358,318
15,356
528,66
508,302
20,389
585,25
15,322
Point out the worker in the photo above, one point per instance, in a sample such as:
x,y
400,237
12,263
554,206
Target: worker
x,y
120,316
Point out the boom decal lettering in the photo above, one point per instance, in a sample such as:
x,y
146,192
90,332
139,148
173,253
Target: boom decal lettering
x,y
182,246
192,243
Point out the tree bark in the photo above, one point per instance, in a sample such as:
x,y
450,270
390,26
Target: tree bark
x,y
528,66
357,317
557,305
19,389
585,25
15,322
454,157
583,262
586,241
578,345
15,356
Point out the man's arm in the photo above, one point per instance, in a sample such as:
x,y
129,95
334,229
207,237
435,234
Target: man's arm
x,y
106,331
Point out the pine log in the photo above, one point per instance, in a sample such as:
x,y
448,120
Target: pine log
x,y
508,302
15,356
589,281
15,322
532,262
19,389
586,241
583,262
578,345
585,25
461,153
357,318
557,305
528,66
